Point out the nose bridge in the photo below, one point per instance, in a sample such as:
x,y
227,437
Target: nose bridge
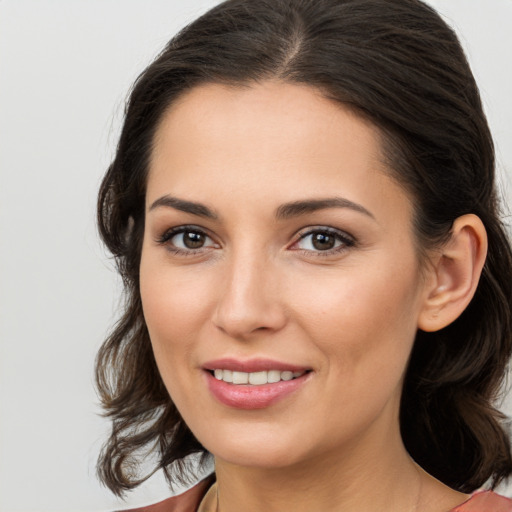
x,y
249,298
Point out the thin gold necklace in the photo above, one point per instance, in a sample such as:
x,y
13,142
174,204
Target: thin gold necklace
x,y
420,489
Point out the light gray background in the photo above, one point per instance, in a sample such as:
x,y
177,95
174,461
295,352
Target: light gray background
x,y
65,69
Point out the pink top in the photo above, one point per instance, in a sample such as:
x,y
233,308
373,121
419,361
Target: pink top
x,y
482,501
485,501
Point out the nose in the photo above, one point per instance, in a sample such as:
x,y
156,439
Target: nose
x,y
250,300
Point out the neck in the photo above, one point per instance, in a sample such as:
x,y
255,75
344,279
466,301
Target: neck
x,y
380,476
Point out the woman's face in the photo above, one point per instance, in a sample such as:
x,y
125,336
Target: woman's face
x,y
276,247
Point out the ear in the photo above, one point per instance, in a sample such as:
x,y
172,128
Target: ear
x,y
454,274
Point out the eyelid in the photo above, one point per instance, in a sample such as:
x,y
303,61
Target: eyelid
x,y
347,240
168,234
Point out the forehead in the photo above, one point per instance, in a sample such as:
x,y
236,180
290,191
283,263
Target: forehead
x,y
271,139
260,111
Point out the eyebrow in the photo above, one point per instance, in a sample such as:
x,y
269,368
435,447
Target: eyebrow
x,y
297,208
285,211
184,206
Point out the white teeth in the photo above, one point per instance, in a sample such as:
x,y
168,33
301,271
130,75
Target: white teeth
x,y
255,378
258,378
240,378
273,376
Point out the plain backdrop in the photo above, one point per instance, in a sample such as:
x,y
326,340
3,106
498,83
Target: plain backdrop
x,y
65,69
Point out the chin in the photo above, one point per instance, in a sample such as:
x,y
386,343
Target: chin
x,y
257,457
253,449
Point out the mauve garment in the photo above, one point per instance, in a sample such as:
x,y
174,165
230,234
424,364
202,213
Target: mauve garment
x,y
192,501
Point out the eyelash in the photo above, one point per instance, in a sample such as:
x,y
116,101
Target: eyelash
x,y
347,241
171,233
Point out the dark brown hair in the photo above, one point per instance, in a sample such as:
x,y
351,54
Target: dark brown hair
x,y
398,64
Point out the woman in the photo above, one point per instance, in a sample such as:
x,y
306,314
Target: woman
x,y
302,207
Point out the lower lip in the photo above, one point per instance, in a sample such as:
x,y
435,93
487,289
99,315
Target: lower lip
x,y
246,396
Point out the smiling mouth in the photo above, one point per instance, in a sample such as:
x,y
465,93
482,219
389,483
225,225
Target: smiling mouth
x,y
256,378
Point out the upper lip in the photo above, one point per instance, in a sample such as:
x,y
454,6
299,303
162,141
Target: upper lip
x,y
252,365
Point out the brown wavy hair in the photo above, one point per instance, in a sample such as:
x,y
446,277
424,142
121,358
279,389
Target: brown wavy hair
x,y
398,64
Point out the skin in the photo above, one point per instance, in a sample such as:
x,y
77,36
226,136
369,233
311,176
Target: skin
x,y
256,289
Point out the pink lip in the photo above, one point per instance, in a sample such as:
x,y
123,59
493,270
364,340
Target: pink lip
x,y
249,397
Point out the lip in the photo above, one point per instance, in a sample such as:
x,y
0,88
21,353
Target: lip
x,y
247,396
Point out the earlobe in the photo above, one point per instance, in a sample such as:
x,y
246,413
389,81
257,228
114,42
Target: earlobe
x,y
455,274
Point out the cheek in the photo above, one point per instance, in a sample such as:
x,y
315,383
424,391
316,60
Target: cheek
x,y
365,331
357,317
173,310
175,305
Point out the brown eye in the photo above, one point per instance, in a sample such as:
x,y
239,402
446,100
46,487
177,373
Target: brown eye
x,y
184,239
193,239
323,241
